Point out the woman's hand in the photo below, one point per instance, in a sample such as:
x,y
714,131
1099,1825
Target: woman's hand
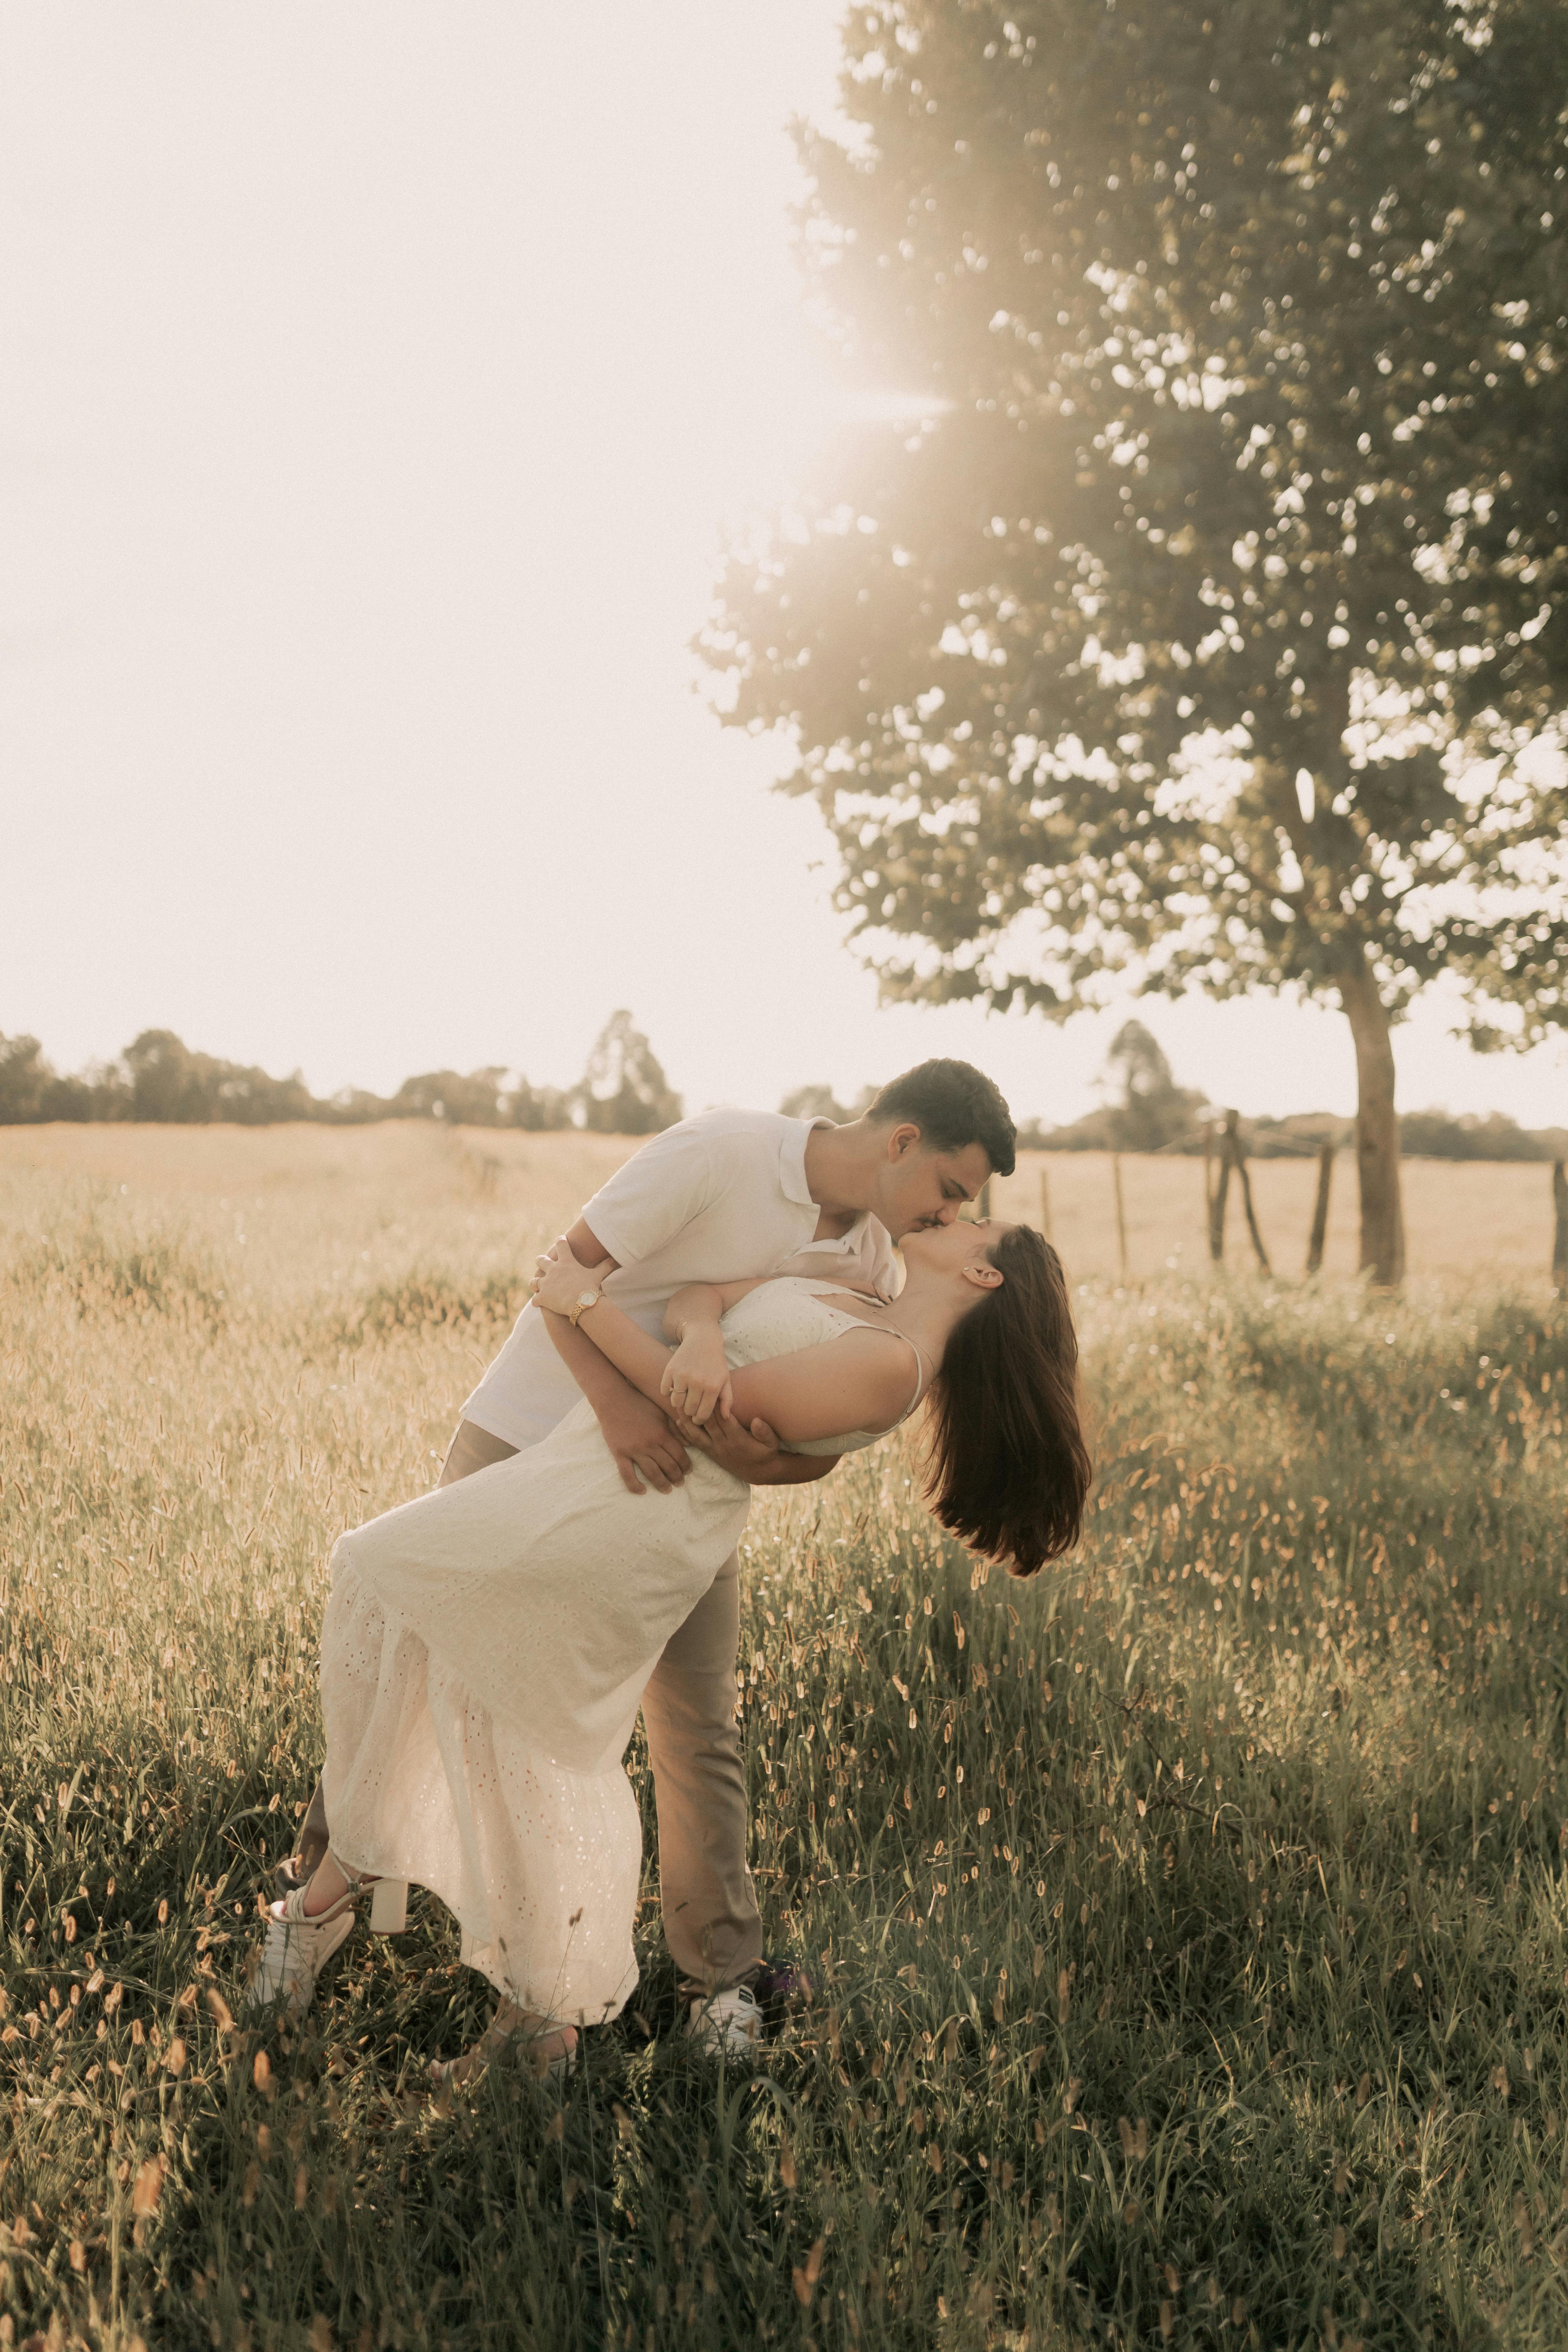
x,y
697,1377
562,1278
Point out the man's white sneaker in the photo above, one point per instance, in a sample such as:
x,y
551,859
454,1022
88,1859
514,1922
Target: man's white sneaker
x,y
729,2024
296,1951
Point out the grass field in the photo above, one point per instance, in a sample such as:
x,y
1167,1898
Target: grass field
x,y
1189,1929
434,1189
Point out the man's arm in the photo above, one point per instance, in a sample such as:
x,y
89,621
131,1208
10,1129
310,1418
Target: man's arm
x,y
587,1248
750,1450
791,1470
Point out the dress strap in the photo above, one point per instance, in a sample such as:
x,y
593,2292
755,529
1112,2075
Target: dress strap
x,y
920,1364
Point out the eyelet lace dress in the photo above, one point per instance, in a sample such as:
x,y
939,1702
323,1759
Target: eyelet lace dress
x,y
483,1657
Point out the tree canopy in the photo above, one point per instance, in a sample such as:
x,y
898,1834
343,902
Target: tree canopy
x,y
1207,628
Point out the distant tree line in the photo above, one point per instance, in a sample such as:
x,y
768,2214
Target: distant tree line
x,y
622,1091
1154,1114
1150,1112
1423,1135
820,1102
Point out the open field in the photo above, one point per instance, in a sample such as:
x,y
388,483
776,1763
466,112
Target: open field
x,y
1189,1928
409,1181
1464,1220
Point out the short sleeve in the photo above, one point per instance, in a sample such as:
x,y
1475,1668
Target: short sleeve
x,y
658,1192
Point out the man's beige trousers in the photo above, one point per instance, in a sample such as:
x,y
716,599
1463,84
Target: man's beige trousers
x,y
710,1919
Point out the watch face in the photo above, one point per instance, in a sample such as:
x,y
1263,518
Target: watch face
x,y
586,1297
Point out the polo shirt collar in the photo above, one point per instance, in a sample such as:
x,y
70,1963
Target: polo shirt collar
x,y
840,1243
792,1161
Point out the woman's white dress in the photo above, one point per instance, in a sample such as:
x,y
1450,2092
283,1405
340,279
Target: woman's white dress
x,y
483,1658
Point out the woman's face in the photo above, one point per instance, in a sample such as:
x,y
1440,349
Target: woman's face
x,y
948,1249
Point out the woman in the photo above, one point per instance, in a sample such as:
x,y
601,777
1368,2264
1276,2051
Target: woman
x,y
485,1646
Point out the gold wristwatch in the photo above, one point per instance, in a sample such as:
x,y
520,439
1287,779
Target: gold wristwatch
x,y
581,1304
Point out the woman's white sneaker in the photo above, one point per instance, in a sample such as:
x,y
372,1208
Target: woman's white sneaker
x,y
727,2023
296,1951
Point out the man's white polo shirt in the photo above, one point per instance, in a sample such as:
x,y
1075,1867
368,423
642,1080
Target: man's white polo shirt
x,y
717,1199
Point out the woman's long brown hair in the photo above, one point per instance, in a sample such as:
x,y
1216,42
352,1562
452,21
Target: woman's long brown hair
x,y
1007,1468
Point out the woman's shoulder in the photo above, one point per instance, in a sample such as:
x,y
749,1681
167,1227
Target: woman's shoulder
x,y
890,1364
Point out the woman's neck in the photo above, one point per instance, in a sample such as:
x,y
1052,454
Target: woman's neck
x,y
929,1307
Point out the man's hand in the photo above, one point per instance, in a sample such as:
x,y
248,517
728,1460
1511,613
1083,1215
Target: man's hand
x,y
560,1279
754,1454
643,1441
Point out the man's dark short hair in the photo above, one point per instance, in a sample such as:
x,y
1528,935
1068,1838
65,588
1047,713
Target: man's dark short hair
x,y
953,1105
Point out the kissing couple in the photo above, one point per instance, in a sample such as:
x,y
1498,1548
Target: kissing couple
x,y
728,1311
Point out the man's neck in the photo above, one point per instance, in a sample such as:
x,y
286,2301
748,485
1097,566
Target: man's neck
x,y
841,1164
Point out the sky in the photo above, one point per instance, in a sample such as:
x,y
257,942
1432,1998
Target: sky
x,y
378,385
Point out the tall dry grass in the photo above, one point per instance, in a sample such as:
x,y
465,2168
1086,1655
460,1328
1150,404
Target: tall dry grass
x,y
1188,1930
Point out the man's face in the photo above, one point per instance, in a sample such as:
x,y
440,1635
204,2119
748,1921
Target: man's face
x,y
919,1187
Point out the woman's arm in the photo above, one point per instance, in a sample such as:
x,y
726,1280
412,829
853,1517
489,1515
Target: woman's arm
x,y
856,1381
697,1377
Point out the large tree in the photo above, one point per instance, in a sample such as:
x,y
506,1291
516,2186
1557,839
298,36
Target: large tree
x,y
623,1089
1154,1111
1208,627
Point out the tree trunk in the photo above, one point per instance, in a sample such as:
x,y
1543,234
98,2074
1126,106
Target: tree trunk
x,y
1376,1130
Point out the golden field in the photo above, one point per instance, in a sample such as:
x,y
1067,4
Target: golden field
x,y
1188,1928
500,1191
1463,1219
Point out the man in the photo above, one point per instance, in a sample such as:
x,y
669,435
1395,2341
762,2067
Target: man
x,y
727,1194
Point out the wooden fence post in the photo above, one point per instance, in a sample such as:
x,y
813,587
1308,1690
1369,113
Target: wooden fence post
x,y
1044,1203
1121,1210
1320,1209
983,1205
1233,1127
1216,1188
1559,1233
